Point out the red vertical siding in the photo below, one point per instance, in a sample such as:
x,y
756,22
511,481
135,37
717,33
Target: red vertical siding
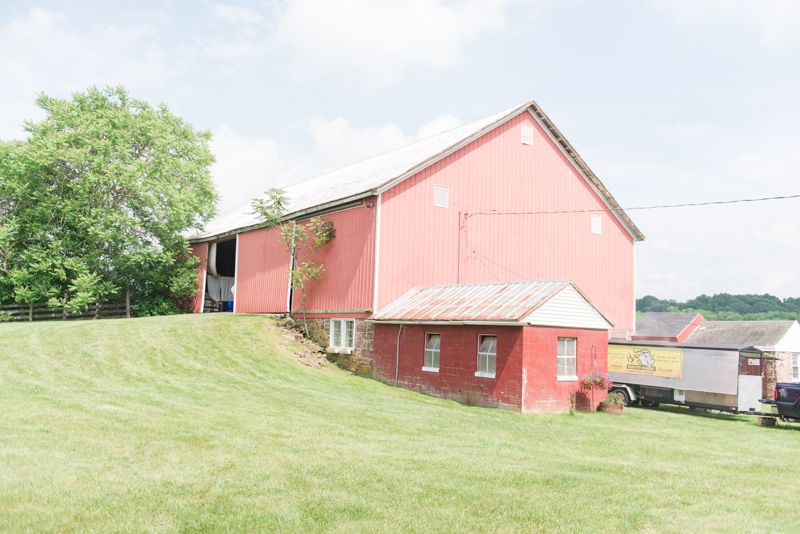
x,y
457,363
487,233
543,393
201,251
349,264
262,283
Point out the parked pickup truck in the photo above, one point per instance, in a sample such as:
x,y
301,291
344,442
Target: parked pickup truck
x,y
786,401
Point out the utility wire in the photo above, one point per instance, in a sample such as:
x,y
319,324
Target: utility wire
x,y
635,208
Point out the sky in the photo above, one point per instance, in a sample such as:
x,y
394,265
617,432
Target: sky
x,y
668,101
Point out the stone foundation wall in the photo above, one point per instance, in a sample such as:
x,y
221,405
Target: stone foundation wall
x,y
783,366
360,361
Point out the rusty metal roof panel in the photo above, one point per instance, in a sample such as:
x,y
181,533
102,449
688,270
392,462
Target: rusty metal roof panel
x,y
502,302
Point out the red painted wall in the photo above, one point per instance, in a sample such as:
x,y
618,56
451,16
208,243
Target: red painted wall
x,y
526,378
543,393
201,251
457,363
424,245
262,283
349,264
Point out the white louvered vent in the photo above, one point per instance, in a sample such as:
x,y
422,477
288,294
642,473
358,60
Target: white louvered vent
x,y
527,135
441,196
597,225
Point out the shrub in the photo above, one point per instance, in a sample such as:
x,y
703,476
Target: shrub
x,y
155,305
615,398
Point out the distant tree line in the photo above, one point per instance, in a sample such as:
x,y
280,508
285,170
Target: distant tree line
x,y
726,307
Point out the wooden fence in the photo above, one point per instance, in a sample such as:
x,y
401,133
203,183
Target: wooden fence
x,y
109,309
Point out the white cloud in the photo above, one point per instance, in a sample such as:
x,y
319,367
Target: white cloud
x,y
440,124
242,37
246,168
41,53
339,144
374,43
775,20
235,14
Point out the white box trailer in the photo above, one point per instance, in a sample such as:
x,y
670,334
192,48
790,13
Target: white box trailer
x,y
718,378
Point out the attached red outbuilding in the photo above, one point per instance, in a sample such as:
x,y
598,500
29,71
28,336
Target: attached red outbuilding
x,y
517,345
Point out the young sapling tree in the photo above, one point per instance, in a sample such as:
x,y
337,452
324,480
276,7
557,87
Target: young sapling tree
x,y
303,239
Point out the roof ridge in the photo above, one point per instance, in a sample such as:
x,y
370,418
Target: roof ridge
x,y
497,283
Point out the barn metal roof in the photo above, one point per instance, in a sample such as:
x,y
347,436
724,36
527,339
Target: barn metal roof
x,y
741,333
379,173
664,324
498,302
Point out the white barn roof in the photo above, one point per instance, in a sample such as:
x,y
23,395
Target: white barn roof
x,y
539,302
381,172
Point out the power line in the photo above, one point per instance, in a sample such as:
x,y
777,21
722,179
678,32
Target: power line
x,y
733,232
718,202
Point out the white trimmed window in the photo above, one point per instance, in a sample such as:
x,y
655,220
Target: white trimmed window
x,y
441,196
527,134
597,225
432,346
343,333
796,367
566,358
487,356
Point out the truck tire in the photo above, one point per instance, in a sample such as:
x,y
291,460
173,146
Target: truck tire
x,y
624,394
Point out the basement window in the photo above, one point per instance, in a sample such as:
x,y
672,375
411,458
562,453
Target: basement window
x,y
487,356
343,333
432,346
567,358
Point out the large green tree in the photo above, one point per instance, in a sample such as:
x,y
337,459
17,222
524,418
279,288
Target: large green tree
x,y
96,199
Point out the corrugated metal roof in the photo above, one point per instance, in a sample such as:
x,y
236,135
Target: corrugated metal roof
x,y
508,301
740,333
664,324
366,177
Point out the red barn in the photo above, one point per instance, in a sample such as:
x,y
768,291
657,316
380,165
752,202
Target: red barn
x,y
503,198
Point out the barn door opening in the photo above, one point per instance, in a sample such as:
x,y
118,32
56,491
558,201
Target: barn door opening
x,y
221,276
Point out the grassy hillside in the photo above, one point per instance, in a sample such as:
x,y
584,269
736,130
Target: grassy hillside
x,y
199,424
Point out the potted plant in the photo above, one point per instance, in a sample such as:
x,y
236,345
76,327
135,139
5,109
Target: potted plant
x,y
613,404
594,382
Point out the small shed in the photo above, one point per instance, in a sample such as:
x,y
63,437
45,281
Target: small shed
x,y
514,345
675,327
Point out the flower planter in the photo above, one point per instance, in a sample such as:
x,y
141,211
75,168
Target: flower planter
x,y
613,409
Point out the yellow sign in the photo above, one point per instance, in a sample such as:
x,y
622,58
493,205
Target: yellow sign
x,y
649,361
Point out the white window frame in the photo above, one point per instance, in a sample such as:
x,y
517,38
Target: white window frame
x,y
597,225
440,191
486,373
337,327
526,134
566,377
431,368
795,367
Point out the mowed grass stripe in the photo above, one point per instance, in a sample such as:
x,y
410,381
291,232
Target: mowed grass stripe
x,y
208,423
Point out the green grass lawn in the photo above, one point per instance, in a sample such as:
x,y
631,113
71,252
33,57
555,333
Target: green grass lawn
x,y
209,424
